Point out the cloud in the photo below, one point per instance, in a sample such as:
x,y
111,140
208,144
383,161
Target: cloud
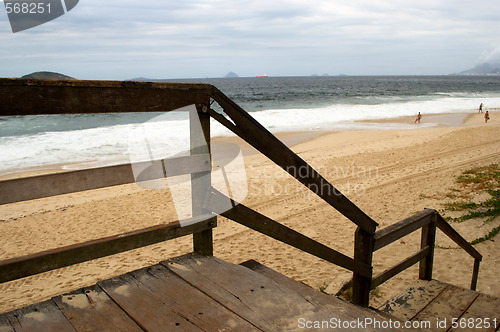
x,y
127,38
492,56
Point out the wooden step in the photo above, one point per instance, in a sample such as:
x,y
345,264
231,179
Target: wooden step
x,y
446,307
194,293
315,297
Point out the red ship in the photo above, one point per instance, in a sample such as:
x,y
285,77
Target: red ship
x,y
265,75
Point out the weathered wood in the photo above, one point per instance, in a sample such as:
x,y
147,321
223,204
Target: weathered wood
x,y
400,267
250,291
44,316
5,325
151,312
411,301
402,228
363,254
22,189
21,267
318,299
428,240
221,286
455,236
27,96
482,315
260,223
428,220
260,138
91,309
449,304
199,123
268,304
475,274
200,309
155,296
458,239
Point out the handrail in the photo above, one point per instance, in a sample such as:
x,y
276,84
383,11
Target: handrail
x,y
246,127
24,266
47,185
32,96
456,237
402,228
428,220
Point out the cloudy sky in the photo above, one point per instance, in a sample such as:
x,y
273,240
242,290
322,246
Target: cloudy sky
x,y
110,39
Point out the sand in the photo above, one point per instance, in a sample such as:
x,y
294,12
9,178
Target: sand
x,y
389,174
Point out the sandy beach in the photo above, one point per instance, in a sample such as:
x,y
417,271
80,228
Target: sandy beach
x,y
389,174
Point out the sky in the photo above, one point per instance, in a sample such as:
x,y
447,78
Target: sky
x,y
117,40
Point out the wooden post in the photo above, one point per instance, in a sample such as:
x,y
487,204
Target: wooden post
x,y
475,274
428,240
363,252
200,182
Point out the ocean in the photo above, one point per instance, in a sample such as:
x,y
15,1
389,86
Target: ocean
x,y
320,103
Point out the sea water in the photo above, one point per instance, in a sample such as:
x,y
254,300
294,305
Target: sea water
x,y
279,103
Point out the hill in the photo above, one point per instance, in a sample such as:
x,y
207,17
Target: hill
x,y
483,69
48,75
231,75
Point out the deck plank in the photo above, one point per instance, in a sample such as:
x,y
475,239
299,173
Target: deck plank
x,y
5,325
411,301
451,303
271,305
144,307
237,290
159,300
318,299
43,316
91,309
483,314
200,309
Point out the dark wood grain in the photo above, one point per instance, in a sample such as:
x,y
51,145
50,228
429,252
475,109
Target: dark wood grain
x,y
30,96
24,266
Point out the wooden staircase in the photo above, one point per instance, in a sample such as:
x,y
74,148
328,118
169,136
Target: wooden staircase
x,y
204,293
446,307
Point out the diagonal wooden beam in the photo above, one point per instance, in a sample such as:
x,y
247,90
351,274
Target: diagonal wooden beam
x,y
256,221
243,125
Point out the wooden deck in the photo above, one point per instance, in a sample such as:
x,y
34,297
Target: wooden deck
x,y
189,293
436,301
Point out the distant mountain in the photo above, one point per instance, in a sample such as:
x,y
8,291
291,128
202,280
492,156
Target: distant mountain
x,y
231,75
483,69
143,79
48,75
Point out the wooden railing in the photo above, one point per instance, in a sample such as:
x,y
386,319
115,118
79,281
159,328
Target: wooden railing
x,y
427,220
32,97
25,97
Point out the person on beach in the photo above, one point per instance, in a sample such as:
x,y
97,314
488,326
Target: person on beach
x,y
419,116
480,108
486,117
